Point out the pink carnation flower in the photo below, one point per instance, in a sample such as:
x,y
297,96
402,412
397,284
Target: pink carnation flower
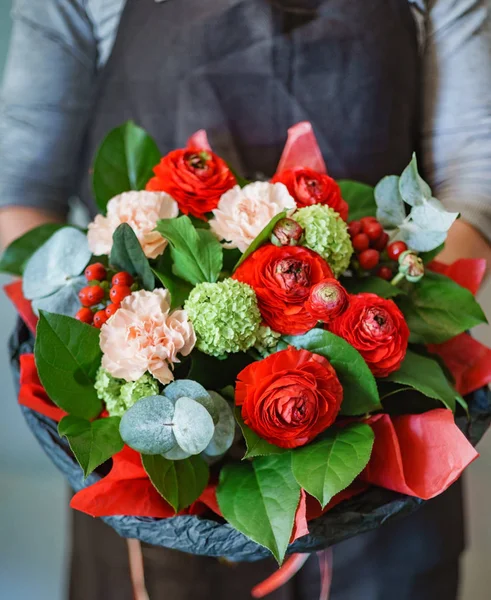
x,y
141,210
144,335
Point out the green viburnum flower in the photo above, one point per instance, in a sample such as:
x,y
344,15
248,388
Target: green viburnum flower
x,y
327,234
225,316
119,395
266,339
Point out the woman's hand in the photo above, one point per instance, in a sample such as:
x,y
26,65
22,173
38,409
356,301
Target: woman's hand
x,y
464,241
16,220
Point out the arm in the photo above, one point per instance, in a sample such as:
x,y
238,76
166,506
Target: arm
x,y
457,120
46,98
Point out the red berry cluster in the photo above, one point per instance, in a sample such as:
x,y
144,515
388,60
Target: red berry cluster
x,y
99,299
370,245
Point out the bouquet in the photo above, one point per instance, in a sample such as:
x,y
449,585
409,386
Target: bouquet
x,y
241,369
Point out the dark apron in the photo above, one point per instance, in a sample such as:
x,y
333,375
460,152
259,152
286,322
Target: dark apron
x,y
246,70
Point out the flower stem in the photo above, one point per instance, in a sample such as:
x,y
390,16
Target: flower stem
x,y
399,277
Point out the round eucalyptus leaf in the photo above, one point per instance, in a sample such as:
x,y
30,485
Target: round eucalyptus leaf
x,y
176,454
147,426
55,263
225,428
193,425
64,301
187,388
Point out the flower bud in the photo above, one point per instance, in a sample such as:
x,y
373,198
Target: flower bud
x,y
411,266
327,300
286,232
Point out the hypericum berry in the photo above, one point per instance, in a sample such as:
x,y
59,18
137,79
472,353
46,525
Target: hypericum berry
x,y
111,309
395,249
354,228
369,259
118,293
365,221
122,278
286,232
85,315
381,243
91,295
360,242
95,272
385,273
374,230
100,318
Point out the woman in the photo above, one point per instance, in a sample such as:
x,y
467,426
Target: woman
x,y
378,79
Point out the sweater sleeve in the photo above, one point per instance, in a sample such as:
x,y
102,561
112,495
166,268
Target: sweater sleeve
x,y
456,136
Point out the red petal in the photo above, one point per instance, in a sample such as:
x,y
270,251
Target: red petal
x,y
301,149
468,360
300,527
289,569
315,510
31,392
199,139
418,455
467,272
23,306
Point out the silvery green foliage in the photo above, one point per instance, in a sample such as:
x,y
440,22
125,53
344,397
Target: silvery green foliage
x,y
180,423
426,225
52,277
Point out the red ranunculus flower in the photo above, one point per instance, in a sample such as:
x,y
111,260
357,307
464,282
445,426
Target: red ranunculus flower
x,y
282,278
327,300
377,329
289,397
195,178
310,187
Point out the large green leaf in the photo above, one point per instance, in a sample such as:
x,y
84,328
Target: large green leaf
x,y
179,289
67,358
256,446
327,467
262,238
92,443
438,309
127,255
360,198
179,482
260,499
372,285
124,161
213,373
359,386
20,250
197,254
425,375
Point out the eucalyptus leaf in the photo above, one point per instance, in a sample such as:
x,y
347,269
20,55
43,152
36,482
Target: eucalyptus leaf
x,y
224,433
180,482
260,499
124,161
68,356
197,254
17,253
187,388
176,453
432,216
262,238
148,425
193,426
127,255
64,301
359,386
421,240
63,256
360,198
326,467
92,443
390,205
412,187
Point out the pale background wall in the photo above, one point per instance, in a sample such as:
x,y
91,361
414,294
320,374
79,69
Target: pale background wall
x,y
33,497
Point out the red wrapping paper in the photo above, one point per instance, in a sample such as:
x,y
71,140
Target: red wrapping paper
x,y
302,150
419,455
14,292
467,272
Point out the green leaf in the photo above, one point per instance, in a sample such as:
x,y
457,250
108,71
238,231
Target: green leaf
x,y
390,205
197,254
260,499
214,373
241,181
92,443
224,434
261,238
438,309
425,375
412,187
427,257
360,198
179,482
256,446
17,254
127,255
124,161
359,386
325,468
67,358
372,285
178,288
